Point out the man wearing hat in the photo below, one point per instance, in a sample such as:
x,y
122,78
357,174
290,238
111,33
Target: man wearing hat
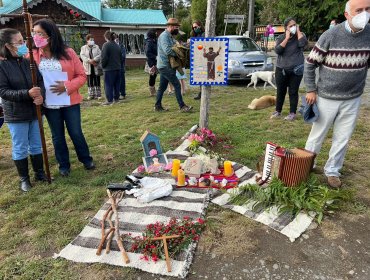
x,y
168,74
342,55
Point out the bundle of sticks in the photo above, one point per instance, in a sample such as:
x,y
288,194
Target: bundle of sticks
x,y
107,235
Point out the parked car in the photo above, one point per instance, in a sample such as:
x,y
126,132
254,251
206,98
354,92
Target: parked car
x,y
246,57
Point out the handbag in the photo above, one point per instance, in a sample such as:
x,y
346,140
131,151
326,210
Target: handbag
x,y
298,70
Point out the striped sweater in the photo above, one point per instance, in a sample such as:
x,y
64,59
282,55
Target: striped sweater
x,y
343,59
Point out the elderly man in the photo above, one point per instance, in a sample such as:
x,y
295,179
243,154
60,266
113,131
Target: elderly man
x,y
342,55
168,74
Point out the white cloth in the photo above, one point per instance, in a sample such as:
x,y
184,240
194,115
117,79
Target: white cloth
x,y
342,115
152,189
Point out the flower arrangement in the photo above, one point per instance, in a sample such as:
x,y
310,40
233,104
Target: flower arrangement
x,y
188,230
203,137
153,152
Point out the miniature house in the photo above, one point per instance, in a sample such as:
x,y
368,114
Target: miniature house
x,y
150,141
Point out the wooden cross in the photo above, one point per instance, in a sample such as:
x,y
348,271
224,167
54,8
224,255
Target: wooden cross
x,y
164,239
28,22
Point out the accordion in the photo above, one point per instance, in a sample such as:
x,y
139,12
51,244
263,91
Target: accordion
x,y
291,166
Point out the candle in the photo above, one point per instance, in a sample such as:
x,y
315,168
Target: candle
x,y
180,178
228,169
175,167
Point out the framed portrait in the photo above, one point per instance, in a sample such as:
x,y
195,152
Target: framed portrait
x,y
208,61
156,163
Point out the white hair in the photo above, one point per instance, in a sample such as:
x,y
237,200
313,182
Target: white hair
x,y
347,9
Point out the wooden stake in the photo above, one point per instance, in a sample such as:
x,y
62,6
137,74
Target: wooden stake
x,y
116,231
164,239
206,90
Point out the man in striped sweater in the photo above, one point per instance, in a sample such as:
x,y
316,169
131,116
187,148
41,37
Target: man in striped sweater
x,y
342,55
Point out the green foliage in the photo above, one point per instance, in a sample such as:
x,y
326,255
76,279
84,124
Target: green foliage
x,y
125,4
308,196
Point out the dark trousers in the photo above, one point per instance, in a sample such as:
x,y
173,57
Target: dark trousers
x,y
168,75
71,117
122,85
112,82
93,80
286,80
152,80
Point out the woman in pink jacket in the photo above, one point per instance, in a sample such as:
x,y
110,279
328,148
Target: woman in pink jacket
x,y
51,54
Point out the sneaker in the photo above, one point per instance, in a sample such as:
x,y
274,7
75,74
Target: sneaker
x,y
89,166
160,109
107,103
90,98
64,172
290,117
334,182
122,97
275,115
186,109
116,101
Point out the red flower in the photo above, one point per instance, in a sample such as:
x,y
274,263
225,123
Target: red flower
x,y
77,15
71,12
200,221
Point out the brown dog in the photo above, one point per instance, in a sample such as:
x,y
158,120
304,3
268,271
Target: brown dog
x,y
262,102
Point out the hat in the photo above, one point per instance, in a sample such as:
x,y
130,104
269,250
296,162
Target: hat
x,y
310,113
173,21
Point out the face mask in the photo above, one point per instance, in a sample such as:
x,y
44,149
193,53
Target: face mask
x,y
197,30
293,29
40,42
22,50
175,32
359,21
91,42
331,26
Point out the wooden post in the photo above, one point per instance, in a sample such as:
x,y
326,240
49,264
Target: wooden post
x,y
251,19
206,90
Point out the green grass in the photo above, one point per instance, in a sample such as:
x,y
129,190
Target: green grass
x,y
36,225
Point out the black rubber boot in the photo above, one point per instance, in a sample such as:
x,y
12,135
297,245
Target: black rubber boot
x,y
38,167
22,167
198,96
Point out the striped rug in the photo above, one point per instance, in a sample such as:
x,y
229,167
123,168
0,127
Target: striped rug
x,y
134,217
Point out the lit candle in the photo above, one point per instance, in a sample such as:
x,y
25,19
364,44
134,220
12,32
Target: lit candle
x,y
180,178
175,167
228,169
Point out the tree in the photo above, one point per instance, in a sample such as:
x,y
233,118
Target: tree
x,y
166,7
126,4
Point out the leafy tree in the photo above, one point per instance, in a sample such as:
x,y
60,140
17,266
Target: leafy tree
x,y
146,4
126,4
166,7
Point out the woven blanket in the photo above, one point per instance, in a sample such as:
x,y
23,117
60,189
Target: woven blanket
x,y
134,217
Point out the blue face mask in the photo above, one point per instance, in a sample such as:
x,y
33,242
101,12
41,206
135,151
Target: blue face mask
x,y
22,50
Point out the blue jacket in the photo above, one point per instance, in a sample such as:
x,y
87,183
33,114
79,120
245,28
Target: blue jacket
x,y
165,44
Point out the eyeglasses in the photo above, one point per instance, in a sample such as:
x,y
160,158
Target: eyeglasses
x,y
42,34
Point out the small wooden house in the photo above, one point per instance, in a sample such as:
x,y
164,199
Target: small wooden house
x,y
150,141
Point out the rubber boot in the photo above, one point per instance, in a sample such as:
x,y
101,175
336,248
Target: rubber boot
x,y
38,167
98,92
152,91
90,92
22,167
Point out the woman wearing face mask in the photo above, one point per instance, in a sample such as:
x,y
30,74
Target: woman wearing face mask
x,y
19,98
51,54
111,59
90,55
289,67
197,30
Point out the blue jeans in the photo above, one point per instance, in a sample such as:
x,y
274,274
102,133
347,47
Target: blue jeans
x,y
168,75
112,83
122,85
71,117
25,139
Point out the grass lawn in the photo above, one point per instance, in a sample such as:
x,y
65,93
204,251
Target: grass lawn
x,y
36,225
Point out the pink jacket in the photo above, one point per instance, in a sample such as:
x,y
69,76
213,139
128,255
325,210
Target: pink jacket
x,y
75,71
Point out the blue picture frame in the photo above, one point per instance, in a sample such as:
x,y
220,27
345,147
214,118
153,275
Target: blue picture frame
x,y
199,65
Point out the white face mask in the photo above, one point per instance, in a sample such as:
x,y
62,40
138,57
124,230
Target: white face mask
x,y
359,21
293,29
91,43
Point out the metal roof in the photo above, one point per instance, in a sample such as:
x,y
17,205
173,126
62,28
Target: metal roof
x,y
102,15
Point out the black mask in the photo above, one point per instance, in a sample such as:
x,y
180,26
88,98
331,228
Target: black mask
x,y
175,32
